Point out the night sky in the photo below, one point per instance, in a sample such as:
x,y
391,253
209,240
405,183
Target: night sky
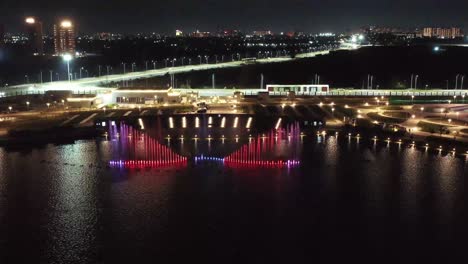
x,y
164,16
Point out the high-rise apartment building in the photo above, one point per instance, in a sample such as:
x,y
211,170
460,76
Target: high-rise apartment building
x,y
35,36
64,38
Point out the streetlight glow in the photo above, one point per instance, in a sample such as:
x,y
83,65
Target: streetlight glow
x,y
30,20
67,57
66,24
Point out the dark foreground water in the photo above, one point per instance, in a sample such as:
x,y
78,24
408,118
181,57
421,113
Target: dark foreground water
x,y
347,201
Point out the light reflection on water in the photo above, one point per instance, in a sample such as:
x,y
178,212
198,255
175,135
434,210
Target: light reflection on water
x,y
74,208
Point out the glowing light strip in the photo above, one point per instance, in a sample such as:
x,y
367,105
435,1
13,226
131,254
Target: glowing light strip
x,y
236,121
184,122
140,121
249,122
260,163
197,122
208,158
223,122
136,164
171,122
89,99
278,124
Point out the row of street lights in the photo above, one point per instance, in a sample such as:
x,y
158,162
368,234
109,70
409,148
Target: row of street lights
x,y
217,59
10,108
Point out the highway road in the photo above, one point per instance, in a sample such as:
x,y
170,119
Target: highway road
x,y
97,84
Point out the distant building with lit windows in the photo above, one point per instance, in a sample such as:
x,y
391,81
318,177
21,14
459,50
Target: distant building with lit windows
x,y
443,33
64,38
200,34
262,33
35,36
179,33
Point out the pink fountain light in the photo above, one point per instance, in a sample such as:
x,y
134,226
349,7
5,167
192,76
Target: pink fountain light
x,y
141,150
260,151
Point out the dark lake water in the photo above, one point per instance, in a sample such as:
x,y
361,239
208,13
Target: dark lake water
x,y
345,201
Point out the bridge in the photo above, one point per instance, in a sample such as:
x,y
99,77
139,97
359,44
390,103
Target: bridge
x,y
104,84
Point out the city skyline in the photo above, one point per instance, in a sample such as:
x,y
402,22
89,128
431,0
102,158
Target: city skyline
x,y
166,17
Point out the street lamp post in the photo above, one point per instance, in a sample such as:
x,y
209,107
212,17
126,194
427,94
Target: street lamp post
x,y
456,81
67,58
416,82
50,71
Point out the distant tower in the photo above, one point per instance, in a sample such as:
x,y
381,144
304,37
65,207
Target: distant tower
x,y
34,33
64,38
